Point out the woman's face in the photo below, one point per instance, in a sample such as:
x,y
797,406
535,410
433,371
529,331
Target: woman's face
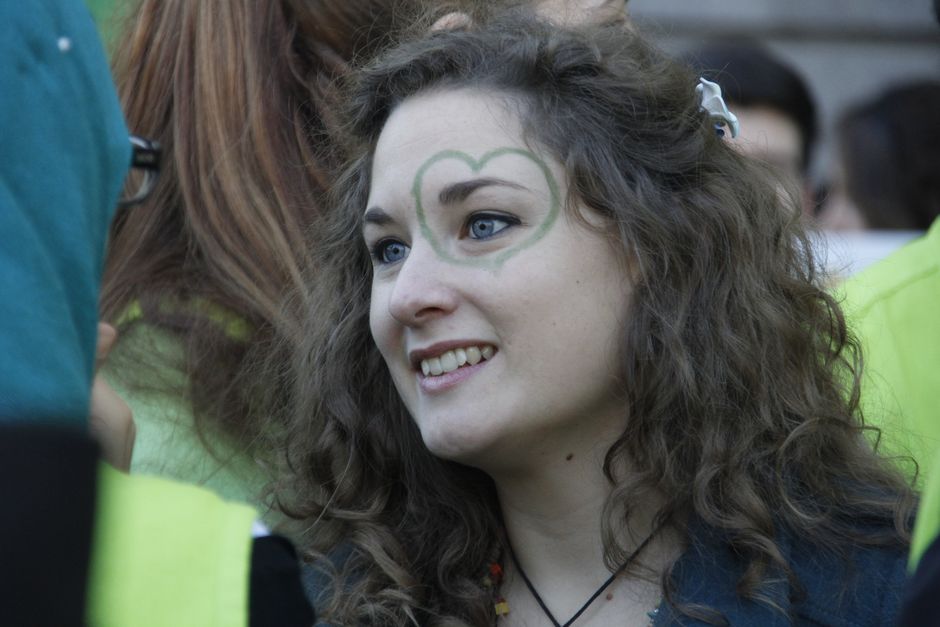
x,y
497,312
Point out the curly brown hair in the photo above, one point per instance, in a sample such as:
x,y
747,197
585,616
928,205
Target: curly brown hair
x,y
739,374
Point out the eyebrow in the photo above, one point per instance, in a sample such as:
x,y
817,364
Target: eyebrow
x,y
458,192
376,216
451,194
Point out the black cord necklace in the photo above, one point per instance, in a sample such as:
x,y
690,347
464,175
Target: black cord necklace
x,y
636,552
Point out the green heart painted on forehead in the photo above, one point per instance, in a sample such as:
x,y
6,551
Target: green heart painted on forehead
x,y
476,165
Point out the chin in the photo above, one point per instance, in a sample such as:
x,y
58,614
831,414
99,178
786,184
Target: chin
x,y
463,445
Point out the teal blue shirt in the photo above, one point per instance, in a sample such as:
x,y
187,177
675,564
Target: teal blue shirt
x,y
64,154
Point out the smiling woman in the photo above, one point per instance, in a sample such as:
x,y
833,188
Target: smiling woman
x,y
573,362
469,263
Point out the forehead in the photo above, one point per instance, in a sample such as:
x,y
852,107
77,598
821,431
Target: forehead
x,y
577,12
469,120
769,134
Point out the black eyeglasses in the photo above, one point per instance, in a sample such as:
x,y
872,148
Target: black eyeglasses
x,y
145,159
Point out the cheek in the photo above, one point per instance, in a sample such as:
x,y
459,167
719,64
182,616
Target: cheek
x,y
380,321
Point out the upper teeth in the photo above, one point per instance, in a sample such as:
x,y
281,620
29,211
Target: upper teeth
x,y
453,359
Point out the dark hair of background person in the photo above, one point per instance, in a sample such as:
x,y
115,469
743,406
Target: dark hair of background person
x,y
890,153
239,95
750,75
724,280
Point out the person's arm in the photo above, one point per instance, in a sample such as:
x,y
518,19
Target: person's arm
x,y
110,420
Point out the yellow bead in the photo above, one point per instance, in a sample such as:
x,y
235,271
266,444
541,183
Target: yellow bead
x,y
502,608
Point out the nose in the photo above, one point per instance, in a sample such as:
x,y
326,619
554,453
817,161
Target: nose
x,y
424,288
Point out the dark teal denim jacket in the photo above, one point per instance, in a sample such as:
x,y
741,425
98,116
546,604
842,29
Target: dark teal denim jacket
x,y
865,590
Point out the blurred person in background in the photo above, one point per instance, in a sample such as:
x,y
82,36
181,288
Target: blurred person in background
x,y
889,159
578,11
773,104
896,303
80,542
63,158
890,149
196,277
884,190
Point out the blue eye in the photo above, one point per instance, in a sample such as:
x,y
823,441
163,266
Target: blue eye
x,y
389,251
484,226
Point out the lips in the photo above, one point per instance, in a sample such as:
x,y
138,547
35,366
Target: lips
x,y
442,359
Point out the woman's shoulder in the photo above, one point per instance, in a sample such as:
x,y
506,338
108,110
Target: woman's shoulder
x,y
862,585
318,578
857,586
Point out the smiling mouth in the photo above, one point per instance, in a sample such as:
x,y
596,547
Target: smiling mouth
x,y
457,358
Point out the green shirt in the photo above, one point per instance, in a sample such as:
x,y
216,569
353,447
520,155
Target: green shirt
x,y
168,443
165,553
893,306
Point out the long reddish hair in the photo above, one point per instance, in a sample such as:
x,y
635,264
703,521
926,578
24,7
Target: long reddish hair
x,y
239,95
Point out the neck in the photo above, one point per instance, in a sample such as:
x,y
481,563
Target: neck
x,y
552,496
552,512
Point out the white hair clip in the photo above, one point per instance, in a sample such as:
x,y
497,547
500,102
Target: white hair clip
x,y
713,102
